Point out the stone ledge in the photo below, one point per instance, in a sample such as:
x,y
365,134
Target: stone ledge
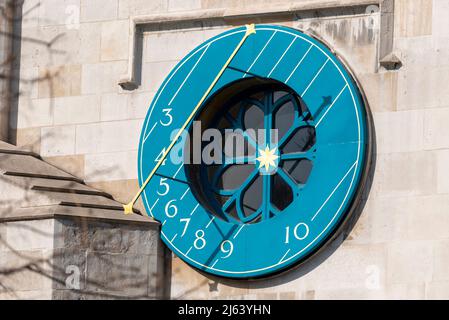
x,y
59,211
128,81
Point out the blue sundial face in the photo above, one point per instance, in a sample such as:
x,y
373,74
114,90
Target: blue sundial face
x,y
272,203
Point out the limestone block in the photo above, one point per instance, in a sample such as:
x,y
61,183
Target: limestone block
x,y
69,270
405,174
154,73
351,37
350,267
30,13
415,93
129,8
111,166
381,90
437,290
123,191
114,106
439,19
114,40
421,53
391,292
51,46
187,283
102,77
443,171
90,42
57,141
29,83
78,109
180,5
27,295
410,262
30,235
58,12
3,231
108,136
60,81
104,237
441,261
34,113
139,104
427,218
382,220
399,131
408,22
436,130
98,10
73,164
239,4
173,45
126,274
29,139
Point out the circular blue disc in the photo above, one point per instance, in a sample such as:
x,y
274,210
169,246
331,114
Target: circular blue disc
x,y
296,214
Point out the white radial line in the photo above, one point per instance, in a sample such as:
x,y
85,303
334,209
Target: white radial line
x,y
184,194
314,78
299,63
151,130
208,224
194,209
330,107
260,53
188,251
283,257
213,265
335,189
282,57
164,222
154,204
235,236
188,75
177,171
174,237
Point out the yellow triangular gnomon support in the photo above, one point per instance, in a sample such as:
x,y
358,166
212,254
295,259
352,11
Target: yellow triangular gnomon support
x,y
250,29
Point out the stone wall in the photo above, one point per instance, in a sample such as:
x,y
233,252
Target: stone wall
x,y
78,258
78,118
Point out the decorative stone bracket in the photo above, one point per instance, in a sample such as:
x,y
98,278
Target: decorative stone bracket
x,y
387,58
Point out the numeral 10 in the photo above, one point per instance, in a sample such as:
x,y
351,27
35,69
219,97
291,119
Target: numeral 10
x,y
300,232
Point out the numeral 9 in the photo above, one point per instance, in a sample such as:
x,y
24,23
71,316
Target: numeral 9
x,y
228,251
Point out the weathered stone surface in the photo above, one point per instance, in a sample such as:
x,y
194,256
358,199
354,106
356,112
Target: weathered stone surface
x,y
26,270
113,166
107,238
29,139
99,10
60,81
78,109
410,262
114,41
399,131
409,22
128,8
73,164
34,235
405,174
102,137
58,141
